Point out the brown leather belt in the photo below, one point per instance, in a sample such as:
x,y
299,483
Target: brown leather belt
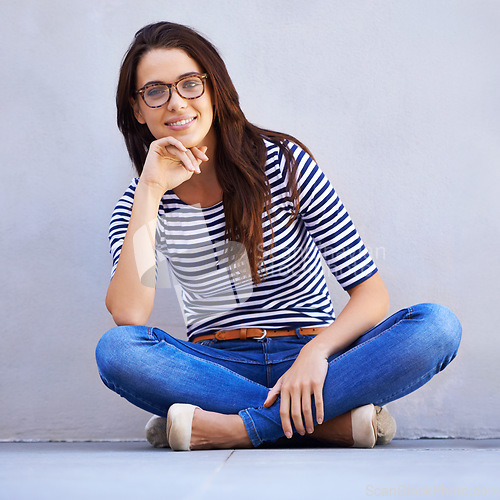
x,y
257,333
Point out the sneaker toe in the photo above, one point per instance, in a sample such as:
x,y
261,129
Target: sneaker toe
x,y
156,432
386,425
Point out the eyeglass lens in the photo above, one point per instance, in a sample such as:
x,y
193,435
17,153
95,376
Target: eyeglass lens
x,y
190,87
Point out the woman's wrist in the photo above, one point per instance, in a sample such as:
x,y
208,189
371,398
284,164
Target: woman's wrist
x,y
332,339
319,346
151,190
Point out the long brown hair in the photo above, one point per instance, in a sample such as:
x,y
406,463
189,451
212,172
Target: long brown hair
x,y
240,154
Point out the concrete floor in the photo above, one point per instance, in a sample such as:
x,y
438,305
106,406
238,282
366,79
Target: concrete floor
x,y
133,470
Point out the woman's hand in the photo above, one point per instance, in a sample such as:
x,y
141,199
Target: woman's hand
x,y
304,379
367,306
169,163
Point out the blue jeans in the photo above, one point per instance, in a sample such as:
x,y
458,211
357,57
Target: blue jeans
x,y
154,370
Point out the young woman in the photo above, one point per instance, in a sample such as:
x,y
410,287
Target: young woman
x,y
242,215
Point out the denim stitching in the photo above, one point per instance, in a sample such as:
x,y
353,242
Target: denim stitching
x,y
254,428
373,338
214,364
393,396
268,364
122,391
212,355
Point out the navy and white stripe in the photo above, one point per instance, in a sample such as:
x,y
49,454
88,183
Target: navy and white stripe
x,y
217,290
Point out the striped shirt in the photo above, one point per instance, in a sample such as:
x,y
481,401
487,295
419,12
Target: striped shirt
x,y
213,276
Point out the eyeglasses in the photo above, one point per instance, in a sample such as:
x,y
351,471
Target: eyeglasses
x,y
156,95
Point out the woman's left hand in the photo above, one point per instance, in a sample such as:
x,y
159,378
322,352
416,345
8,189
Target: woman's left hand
x,y
297,386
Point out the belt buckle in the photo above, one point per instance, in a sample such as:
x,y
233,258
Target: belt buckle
x,y
263,336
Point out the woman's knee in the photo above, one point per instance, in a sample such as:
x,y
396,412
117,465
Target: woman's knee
x,y
444,326
111,350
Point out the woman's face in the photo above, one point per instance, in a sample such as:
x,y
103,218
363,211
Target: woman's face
x,y
189,120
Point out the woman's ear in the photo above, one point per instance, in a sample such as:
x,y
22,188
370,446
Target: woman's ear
x,y
137,111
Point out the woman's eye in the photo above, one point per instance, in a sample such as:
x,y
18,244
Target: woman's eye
x,y
191,84
155,92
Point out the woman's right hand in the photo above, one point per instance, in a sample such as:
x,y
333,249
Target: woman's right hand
x,y
169,163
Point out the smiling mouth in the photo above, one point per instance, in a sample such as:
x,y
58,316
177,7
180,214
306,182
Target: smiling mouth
x,y
180,122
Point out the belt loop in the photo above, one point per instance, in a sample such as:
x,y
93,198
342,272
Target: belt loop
x,y
297,332
243,333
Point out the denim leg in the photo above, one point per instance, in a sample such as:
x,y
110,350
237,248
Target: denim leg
x,y
389,361
154,370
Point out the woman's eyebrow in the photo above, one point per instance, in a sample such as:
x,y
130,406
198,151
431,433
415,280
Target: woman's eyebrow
x,y
154,82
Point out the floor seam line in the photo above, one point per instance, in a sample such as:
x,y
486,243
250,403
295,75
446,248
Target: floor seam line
x,y
207,483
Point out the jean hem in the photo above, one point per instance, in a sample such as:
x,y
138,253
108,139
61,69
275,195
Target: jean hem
x,y
250,427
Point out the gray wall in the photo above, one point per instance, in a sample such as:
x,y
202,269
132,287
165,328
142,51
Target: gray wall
x,y
408,132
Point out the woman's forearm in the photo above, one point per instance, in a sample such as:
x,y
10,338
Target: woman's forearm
x,y
131,292
367,306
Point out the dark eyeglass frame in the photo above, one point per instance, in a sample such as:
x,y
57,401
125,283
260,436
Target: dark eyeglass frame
x,y
171,86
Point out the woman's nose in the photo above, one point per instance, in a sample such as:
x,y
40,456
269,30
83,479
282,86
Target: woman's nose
x,y
176,101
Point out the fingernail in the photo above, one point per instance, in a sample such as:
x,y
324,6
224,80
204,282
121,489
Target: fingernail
x,y
288,434
320,420
309,430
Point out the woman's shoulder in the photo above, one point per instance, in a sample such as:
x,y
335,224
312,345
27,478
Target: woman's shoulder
x,y
286,150
280,155
127,197
131,187
275,146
